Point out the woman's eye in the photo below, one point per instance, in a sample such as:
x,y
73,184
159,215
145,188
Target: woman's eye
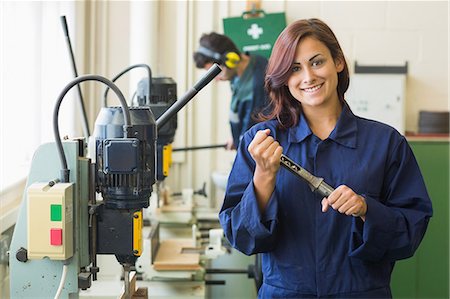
x,y
295,69
316,62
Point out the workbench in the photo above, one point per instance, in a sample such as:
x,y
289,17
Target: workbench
x,y
426,274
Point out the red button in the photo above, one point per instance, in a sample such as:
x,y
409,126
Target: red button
x,y
56,236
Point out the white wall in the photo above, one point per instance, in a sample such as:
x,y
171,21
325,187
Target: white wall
x,y
370,32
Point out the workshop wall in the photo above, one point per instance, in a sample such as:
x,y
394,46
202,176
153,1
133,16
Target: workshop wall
x,y
372,33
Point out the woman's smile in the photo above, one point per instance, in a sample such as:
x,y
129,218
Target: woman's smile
x,y
312,89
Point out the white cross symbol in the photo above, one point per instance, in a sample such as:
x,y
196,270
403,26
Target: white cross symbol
x,y
255,31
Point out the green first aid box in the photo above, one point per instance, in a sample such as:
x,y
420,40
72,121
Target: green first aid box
x,y
255,34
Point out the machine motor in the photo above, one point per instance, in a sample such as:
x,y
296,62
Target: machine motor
x,y
125,183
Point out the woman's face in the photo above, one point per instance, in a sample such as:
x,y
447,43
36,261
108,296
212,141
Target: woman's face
x,y
314,76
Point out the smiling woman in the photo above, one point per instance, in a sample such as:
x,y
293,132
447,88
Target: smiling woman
x,y
372,216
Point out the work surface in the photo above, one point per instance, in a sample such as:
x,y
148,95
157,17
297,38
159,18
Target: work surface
x,y
156,289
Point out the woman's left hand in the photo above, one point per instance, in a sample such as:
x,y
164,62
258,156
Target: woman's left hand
x,y
346,201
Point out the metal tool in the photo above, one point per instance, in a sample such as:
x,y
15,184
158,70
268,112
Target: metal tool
x,y
85,122
193,148
317,184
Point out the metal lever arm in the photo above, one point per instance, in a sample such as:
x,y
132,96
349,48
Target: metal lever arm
x,y
193,148
317,184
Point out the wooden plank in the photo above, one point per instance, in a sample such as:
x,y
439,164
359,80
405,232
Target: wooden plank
x,y
170,256
175,208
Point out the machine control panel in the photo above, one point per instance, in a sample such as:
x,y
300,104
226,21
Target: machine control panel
x,y
50,221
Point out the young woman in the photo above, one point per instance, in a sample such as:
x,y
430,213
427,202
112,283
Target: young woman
x,y
345,245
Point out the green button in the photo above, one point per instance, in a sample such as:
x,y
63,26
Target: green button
x,y
55,213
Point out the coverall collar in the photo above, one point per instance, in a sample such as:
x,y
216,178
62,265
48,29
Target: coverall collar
x,y
344,133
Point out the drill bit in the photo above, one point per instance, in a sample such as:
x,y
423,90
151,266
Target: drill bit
x,y
126,279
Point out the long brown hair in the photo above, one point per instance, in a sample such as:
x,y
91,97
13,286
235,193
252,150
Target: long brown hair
x,y
285,108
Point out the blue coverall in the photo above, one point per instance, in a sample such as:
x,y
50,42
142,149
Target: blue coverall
x,y
307,253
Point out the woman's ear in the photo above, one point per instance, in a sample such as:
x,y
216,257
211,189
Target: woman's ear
x,y
339,64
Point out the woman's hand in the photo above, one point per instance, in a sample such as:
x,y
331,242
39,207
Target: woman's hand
x,y
267,153
346,201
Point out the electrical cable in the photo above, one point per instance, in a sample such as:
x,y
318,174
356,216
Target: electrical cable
x,y
62,281
105,99
132,98
78,80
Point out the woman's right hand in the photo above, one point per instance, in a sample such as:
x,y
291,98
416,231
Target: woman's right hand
x,y
266,152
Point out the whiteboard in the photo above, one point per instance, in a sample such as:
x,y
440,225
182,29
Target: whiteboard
x,y
380,97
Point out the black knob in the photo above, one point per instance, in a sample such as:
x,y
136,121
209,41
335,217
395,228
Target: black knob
x,y
94,270
202,191
22,255
84,280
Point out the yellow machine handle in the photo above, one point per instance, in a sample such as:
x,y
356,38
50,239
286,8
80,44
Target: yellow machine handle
x,y
167,159
137,233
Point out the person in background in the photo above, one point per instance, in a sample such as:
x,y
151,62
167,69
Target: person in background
x,y
246,75
344,245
